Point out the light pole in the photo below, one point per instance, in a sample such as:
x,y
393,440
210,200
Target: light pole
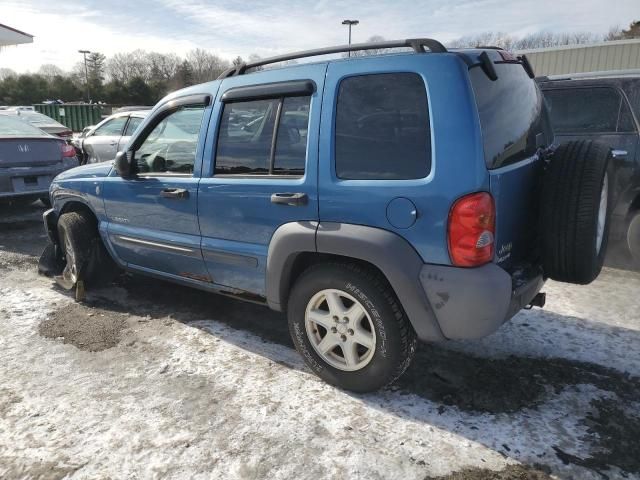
x,y
86,72
350,23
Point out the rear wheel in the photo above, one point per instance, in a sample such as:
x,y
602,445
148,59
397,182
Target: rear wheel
x,y
575,213
348,326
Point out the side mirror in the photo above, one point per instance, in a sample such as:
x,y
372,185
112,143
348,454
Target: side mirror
x,y
86,130
122,164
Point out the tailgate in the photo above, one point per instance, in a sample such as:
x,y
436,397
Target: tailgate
x,y
515,128
515,189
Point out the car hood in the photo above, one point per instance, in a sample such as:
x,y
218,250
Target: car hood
x,y
94,170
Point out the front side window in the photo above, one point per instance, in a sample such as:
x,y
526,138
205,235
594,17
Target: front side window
x,y
248,145
382,128
588,110
171,145
111,128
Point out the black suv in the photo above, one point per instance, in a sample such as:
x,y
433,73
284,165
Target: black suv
x,y
605,107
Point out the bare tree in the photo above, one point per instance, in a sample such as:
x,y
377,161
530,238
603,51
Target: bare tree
x,y
205,66
632,32
163,66
49,71
123,67
535,40
6,73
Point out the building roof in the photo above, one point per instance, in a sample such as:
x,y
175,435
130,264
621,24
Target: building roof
x,y
11,36
585,58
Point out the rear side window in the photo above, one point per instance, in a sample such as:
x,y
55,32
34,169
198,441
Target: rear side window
x,y
382,128
512,115
247,144
588,110
134,122
112,128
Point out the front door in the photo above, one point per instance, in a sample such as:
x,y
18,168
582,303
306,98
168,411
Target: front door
x,y
152,216
261,171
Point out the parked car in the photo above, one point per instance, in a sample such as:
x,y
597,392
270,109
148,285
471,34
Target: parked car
x,y
387,216
30,159
41,121
23,108
605,107
101,142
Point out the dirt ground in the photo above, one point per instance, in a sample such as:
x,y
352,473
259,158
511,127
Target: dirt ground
x,y
149,380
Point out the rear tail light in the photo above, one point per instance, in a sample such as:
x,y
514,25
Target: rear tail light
x,y
67,150
472,226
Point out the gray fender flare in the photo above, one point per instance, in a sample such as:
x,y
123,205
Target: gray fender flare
x,y
389,252
287,242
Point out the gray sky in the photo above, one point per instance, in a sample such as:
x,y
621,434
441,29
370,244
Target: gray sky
x,y
267,27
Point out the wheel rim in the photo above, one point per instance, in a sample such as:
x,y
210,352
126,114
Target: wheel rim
x,y
340,330
69,272
602,212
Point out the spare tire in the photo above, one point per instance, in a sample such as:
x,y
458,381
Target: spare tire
x,y
575,211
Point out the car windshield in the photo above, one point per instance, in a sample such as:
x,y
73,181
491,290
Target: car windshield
x,y
12,128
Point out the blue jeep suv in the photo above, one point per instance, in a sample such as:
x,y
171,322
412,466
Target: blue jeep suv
x,y
378,200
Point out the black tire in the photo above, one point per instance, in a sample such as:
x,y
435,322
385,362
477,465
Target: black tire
x,y
633,238
571,196
84,255
395,338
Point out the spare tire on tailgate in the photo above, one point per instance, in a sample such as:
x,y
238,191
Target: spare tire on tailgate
x,y
575,211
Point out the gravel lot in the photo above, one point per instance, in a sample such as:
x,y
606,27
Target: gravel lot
x,y
150,380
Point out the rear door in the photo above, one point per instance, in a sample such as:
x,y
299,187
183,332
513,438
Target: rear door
x,y
261,171
102,145
133,123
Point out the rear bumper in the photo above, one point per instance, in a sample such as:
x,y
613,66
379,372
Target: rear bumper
x,y
27,181
472,303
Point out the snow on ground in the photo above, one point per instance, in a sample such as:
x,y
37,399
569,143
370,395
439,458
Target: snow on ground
x,y
199,386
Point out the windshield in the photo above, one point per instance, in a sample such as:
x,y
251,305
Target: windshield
x,y
12,128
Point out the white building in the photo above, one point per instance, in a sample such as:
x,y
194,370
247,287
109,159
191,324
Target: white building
x,y
599,57
11,36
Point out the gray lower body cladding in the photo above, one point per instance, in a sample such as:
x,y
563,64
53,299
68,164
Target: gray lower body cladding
x,y
441,302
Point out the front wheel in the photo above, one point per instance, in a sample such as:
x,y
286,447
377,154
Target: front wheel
x,y
83,254
349,327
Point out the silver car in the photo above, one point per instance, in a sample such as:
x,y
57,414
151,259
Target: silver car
x,y
102,142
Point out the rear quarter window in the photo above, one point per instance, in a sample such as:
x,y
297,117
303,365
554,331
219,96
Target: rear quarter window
x,y
382,128
512,114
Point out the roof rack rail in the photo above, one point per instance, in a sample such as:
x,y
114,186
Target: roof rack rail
x,y
417,44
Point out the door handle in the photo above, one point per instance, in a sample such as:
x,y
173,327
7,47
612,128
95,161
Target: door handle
x,y
293,199
179,193
113,143
618,153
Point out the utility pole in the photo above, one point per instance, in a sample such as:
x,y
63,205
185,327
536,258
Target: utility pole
x,y
86,73
350,23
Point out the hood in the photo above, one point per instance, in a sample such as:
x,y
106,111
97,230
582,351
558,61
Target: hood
x,y
93,170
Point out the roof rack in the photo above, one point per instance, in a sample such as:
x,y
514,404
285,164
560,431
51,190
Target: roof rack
x,y
417,44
